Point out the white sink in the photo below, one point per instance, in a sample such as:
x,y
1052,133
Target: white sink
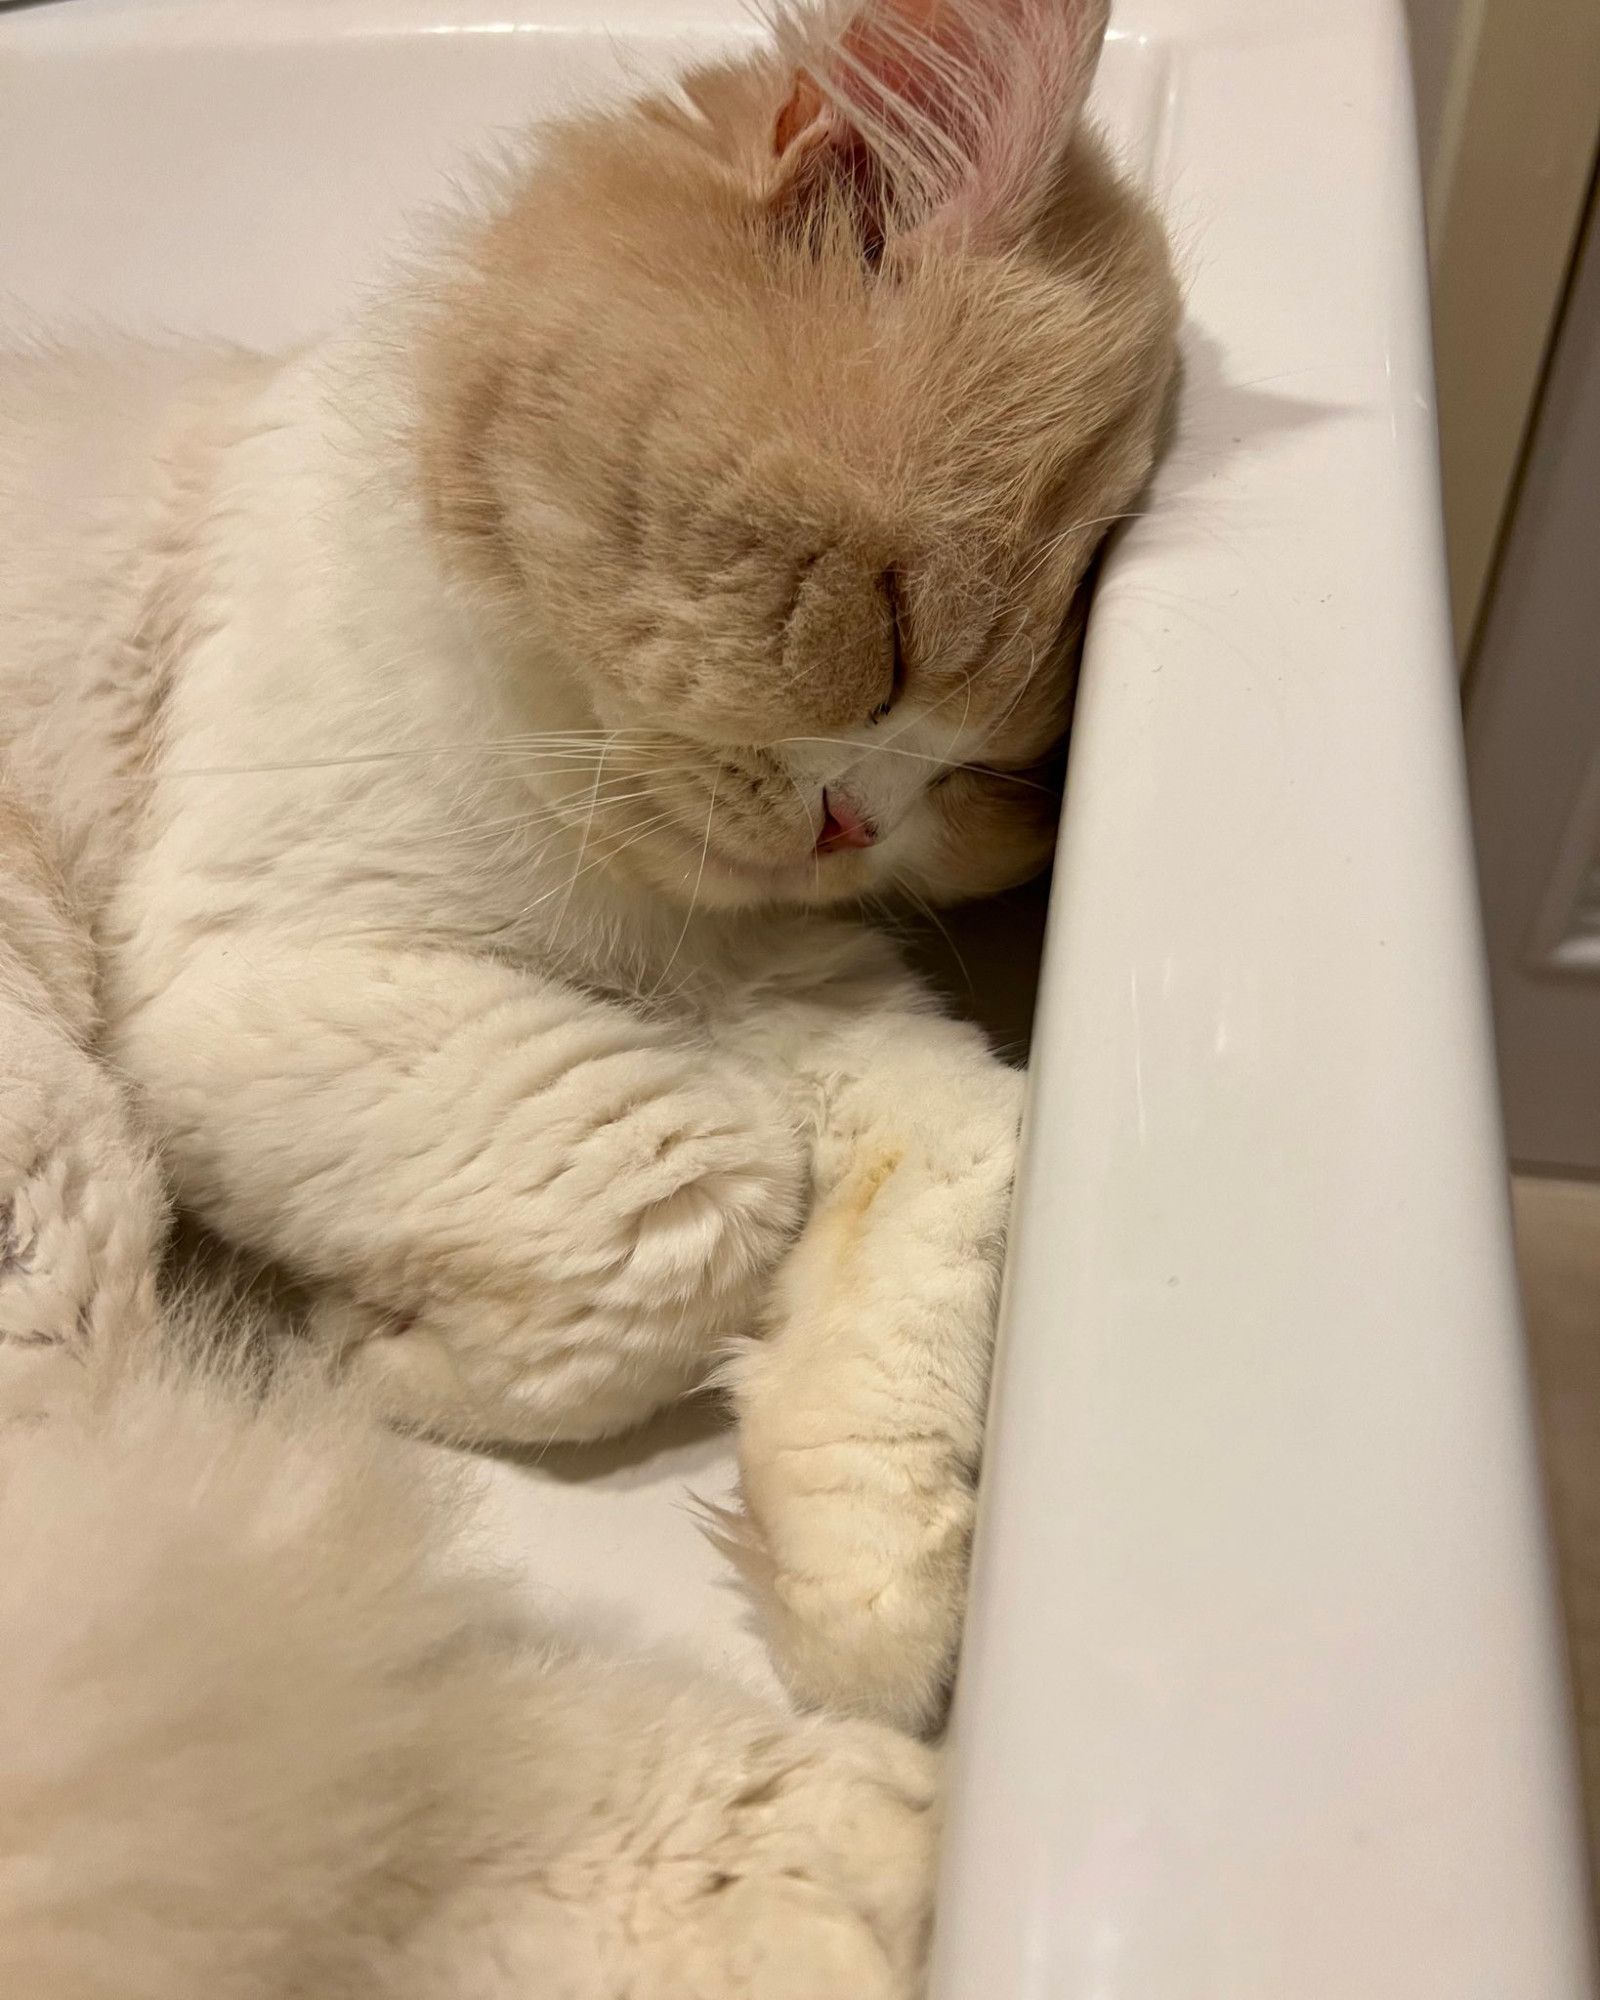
x,y
1263,1695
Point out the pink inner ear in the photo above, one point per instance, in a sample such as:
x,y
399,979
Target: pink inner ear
x,y
804,105
914,52
964,103
821,153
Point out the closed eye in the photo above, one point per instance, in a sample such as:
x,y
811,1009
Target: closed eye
x,y
889,584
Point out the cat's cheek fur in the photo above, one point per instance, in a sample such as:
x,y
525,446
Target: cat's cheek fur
x,y
961,842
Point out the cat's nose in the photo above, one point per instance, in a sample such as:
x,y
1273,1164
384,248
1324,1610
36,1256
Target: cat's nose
x,y
844,824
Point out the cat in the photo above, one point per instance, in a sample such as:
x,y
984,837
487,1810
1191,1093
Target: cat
x,y
469,743
265,1735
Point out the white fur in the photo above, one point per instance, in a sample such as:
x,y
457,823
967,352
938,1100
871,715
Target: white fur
x,y
261,1738
82,1209
309,670
264,1736
360,972
309,673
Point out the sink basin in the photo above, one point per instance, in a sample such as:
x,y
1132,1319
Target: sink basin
x,y
1263,1694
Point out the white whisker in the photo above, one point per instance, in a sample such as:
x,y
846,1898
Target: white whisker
x,y
694,893
583,844
630,837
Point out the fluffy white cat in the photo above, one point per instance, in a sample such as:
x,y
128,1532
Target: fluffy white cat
x,y
456,755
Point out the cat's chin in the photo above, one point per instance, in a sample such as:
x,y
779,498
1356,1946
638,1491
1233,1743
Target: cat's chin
x,y
717,881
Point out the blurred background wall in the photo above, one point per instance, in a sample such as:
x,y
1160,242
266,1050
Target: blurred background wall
x,y
1508,113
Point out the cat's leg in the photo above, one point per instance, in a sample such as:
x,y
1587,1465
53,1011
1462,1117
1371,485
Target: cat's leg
x,y
861,1414
209,1597
83,1213
544,1211
660,1835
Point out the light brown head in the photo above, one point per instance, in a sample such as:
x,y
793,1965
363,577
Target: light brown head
x,y
794,407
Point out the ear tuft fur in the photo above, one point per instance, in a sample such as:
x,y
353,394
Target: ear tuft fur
x,y
938,119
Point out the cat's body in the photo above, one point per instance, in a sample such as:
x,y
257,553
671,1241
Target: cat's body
x,y
463,742
596,1118
349,1779
266,1734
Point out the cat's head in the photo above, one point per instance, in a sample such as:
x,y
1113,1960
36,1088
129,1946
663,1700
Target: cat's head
x,y
795,406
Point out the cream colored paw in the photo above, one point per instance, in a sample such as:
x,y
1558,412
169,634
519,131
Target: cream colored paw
x,y
758,1858
687,1192
819,1886
652,1236
856,1555
811,1881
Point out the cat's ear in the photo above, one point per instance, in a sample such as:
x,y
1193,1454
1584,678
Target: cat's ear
x,y
931,117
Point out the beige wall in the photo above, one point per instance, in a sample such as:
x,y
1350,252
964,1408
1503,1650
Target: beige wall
x,y
1508,112
1434,25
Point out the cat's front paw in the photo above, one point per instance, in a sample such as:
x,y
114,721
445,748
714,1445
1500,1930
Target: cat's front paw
x,y
752,1856
819,1881
861,1416
856,1554
659,1199
680,1195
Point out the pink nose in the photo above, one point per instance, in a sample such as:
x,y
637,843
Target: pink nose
x,y
844,825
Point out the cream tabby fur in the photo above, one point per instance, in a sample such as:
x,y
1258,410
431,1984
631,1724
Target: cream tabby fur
x,y
453,737
262,1735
